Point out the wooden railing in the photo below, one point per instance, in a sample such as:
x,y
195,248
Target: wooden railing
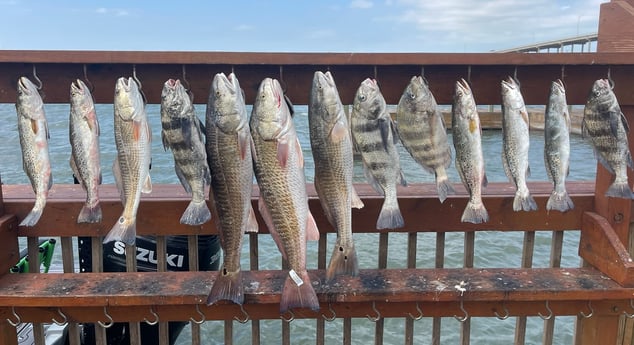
x,y
599,294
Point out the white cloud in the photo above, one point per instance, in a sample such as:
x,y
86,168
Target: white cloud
x,y
361,4
112,11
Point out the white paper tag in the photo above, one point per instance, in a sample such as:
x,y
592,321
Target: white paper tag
x,y
298,281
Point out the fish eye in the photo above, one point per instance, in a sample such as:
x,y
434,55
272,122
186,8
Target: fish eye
x,y
362,98
412,95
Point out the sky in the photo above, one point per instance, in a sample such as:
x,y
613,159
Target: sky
x,y
292,26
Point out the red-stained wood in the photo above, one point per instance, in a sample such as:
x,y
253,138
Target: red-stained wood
x,y
9,251
160,211
8,334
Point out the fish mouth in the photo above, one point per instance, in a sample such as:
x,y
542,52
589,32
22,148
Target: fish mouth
x,y
559,85
224,82
324,78
77,86
25,85
125,84
171,83
509,83
463,86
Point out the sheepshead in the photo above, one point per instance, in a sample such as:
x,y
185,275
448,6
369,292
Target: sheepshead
x,y
132,163
557,146
375,138
33,132
279,169
606,128
331,145
466,132
423,133
84,143
182,134
229,153
515,144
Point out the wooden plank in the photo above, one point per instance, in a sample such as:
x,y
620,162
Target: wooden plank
x,y
9,251
160,211
8,334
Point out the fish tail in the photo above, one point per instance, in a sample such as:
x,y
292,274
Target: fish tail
x,y
390,216
524,202
196,213
36,212
124,230
298,292
620,190
90,214
228,286
559,201
475,212
444,188
343,262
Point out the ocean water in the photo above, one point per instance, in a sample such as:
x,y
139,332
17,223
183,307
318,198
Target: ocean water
x,y
493,249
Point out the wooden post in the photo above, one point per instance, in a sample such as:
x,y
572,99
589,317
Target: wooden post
x,y
616,34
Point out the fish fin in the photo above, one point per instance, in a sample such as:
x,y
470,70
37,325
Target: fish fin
x,y
603,162
298,292
371,180
312,231
394,130
227,286
100,179
524,116
73,168
322,201
116,172
614,124
528,171
34,126
252,222
402,179
485,180
282,152
147,185
524,202
137,127
186,128
124,230
300,153
507,169
356,201
384,127
36,212
243,143
202,130
584,129
390,216
197,213
289,104
90,214
475,213
559,201
443,187
620,190
628,160
268,220
166,143
339,132
182,179
626,126
343,261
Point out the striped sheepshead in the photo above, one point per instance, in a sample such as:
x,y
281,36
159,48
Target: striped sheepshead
x,y
515,144
229,148
279,169
132,163
374,136
182,134
468,144
423,133
605,126
33,132
331,146
84,143
557,147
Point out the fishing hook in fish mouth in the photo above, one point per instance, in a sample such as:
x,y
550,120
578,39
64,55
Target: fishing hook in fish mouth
x,y
64,318
17,321
202,316
290,319
91,87
138,82
246,315
378,314
110,321
462,319
587,316
550,313
156,317
331,318
39,82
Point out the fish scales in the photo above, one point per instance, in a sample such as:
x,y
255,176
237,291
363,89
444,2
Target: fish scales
x,y
331,145
182,134
605,126
229,153
34,135
374,137
85,156
423,133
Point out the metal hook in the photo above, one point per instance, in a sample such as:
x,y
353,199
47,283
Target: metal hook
x,y
65,319
610,80
334,315
469,74
290,319
138,82
420,313
110,320
282,82
587,316
506,312
629,316
376,73
378,314
550,313
563,68
466,314
186,84
515,73
232,70
422,71
91,87
202,316
246,316
17,318
39,82
156,317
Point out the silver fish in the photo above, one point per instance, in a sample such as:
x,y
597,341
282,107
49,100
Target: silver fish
x,y
279,169
423,133
182,134
33,131
466,132
375,137
515,144
229,153
606,128
132,164
84,143
557,147
331,145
